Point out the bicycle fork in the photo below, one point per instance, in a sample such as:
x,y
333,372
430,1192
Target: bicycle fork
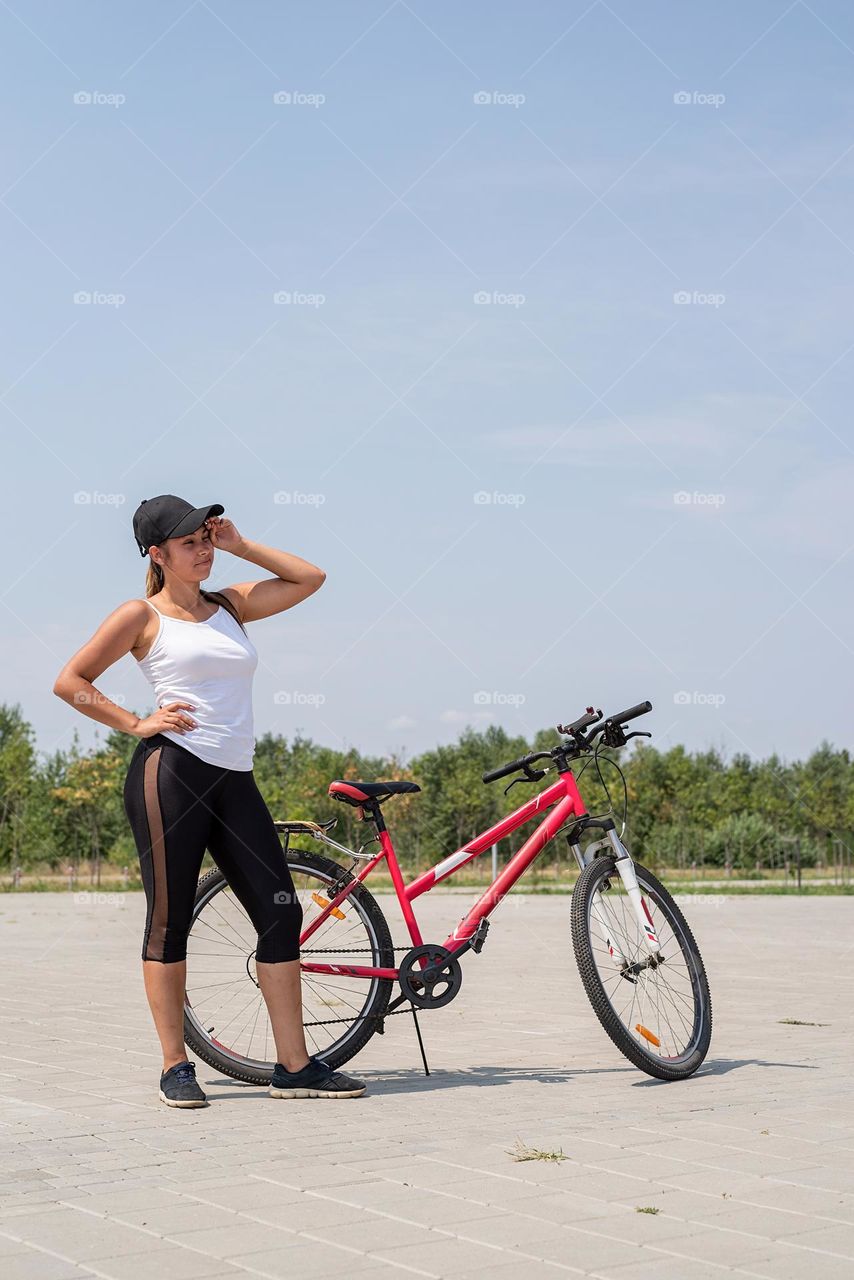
x,y
626,869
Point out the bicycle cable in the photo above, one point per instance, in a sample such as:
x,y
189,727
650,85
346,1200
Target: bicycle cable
x,y
609,760
594,758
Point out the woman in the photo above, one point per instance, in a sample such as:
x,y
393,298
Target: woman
x,y
190,784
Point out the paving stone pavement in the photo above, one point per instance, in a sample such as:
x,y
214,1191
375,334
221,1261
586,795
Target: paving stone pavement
x,y
750,1164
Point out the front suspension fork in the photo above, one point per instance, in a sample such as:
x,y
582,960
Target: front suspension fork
x,y
626,869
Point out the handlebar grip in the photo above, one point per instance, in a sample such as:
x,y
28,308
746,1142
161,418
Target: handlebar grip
x,y
502,771
622,716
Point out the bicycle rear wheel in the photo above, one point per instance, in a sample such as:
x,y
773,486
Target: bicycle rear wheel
x,y
225,1016
658,1016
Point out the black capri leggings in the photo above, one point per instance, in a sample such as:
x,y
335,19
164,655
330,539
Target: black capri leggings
x,y
178,806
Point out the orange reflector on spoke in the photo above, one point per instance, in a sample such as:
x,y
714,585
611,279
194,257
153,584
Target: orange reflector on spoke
x,y
647,1035
324,902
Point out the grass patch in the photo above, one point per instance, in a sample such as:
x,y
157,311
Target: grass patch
x,y
60,885
41,880
523,1152
815,888
646,1208
799,1022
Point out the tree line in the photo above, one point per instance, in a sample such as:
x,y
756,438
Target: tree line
x,y
684,808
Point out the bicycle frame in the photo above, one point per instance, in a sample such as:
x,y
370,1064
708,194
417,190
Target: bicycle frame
x,y
564,801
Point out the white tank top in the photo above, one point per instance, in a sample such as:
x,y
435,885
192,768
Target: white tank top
x,y
210,664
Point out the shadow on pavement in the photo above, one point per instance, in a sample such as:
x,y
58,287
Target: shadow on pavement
x,y
413,1079
722,1067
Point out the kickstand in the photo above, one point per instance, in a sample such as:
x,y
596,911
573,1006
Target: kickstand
x,y
420,1041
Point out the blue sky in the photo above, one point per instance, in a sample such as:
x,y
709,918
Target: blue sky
x,y
555,390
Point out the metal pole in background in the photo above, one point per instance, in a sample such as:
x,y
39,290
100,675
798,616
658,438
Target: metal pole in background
x,y
494,862
798,853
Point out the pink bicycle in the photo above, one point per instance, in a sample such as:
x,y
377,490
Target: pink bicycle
x,y
637,957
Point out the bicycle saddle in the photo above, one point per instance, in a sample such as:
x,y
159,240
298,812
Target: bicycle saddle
x,y
358,792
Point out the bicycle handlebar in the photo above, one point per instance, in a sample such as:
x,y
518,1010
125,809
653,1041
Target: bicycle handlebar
x,y
591,717
502,771
639,710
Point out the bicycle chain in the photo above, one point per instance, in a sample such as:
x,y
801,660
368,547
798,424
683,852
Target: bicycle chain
x,y
352,951
363,1017
348,951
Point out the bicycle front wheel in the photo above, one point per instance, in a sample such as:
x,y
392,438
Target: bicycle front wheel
x,y
659,1014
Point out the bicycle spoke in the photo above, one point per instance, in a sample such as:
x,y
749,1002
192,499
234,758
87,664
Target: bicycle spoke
x,y
357,1009
236,905
255,1023
241,942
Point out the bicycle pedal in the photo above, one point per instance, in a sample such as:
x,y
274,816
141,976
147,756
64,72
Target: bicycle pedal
x,y
479,936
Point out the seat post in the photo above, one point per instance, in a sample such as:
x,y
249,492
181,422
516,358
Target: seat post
x,y
377,816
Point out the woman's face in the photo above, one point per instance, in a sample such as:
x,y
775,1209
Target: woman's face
x,y
191,555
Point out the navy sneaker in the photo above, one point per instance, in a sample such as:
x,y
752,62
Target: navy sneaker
x,y
179,1088
315,1080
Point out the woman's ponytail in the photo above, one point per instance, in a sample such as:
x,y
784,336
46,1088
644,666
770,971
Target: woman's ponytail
x,y
153,579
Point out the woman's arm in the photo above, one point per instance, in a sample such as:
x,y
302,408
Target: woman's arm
x,y
115,637
295,578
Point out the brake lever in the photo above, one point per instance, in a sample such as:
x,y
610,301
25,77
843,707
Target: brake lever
x,y
638,733
531,775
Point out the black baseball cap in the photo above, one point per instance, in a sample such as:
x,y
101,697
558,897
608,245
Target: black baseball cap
x,y
166,516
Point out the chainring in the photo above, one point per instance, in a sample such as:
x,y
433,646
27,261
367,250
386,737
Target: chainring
x,y
437,983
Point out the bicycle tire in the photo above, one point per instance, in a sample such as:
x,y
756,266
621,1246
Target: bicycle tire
x,y
383,956
589,881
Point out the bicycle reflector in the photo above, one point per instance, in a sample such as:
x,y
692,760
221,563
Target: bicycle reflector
x,y
324,902
647,1035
